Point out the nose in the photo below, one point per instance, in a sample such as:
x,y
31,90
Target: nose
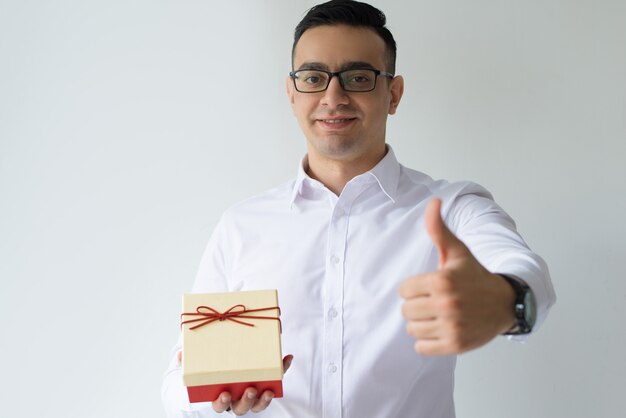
x,y
335,95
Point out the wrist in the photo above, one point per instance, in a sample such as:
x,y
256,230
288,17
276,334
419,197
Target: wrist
x,y
508,320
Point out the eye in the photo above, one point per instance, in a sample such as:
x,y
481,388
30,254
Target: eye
x,y
359,78
312,77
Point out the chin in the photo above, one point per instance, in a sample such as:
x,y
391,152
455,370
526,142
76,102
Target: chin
x,y
336,147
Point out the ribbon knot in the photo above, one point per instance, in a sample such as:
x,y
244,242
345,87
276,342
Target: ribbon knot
x,y
207,315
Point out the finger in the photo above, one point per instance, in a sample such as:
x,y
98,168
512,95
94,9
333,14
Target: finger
x,y
448,245
424,330
222,403
419,309
263,401
416,286
442,346
287,362
179,357
430,347
243,405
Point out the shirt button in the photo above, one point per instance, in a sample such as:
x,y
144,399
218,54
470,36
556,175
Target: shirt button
x,y
334,259
332,313
332,368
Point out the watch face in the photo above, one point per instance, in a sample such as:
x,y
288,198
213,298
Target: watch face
x,y
530,313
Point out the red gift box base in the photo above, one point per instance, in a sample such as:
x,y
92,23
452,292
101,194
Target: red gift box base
x,y
209,393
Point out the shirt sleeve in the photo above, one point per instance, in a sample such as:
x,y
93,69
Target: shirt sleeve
x,y
211,277
491,235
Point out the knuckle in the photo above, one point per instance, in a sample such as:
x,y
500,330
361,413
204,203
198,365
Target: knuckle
x,y
449,303
240,411
219,408
455,330
442,282
260,406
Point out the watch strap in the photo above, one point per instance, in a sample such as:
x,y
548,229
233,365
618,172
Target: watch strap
x,y
521,289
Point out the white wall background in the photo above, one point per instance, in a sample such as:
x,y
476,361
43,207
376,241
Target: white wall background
x,y
127,127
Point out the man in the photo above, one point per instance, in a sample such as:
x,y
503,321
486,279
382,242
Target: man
x,y
383,274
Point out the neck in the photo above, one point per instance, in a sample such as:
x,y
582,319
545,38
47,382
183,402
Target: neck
x,y
335,173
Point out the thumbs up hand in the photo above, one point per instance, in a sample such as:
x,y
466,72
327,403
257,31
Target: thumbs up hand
x,y
459,307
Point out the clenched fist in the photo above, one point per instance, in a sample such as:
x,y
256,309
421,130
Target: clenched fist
x,y
459,307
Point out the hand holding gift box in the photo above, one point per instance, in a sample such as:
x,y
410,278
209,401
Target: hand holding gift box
x,y
251,399
231,341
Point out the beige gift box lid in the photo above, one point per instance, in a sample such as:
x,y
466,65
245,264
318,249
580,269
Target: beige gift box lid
x,y
226,351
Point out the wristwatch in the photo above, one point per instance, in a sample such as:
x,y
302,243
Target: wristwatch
x,y
524,309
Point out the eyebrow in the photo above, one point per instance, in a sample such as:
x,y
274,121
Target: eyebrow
x,y
351,65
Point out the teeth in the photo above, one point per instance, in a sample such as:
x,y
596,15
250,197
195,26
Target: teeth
x,y
335,120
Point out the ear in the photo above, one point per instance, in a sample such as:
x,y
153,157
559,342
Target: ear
x,y
396,90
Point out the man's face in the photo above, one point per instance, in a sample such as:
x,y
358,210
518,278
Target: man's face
x,y
339,125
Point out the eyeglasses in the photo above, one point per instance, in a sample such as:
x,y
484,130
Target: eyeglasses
x,y
356,80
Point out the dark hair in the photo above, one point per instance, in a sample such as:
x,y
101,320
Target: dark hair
x,y
352,13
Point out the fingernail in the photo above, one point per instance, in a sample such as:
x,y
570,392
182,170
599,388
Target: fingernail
x,y
251,395
268,398
224,399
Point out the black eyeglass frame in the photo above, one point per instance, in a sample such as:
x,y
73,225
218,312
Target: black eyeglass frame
x,y
332,74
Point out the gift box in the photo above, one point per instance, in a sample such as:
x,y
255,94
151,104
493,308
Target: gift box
x,y
231,341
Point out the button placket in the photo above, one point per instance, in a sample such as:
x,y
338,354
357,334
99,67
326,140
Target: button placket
x,y
333,328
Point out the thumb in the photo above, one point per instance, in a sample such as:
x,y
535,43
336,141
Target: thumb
x,y
448,245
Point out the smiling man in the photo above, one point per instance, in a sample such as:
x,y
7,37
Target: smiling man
x,y
343,115
384,274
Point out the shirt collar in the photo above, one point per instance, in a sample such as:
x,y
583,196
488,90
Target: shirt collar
x,y
300,179
386,173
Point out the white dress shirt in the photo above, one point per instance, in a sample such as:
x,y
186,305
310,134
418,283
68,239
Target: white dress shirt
x,y
337,263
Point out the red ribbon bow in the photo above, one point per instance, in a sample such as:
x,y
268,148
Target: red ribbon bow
x,y
208,315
